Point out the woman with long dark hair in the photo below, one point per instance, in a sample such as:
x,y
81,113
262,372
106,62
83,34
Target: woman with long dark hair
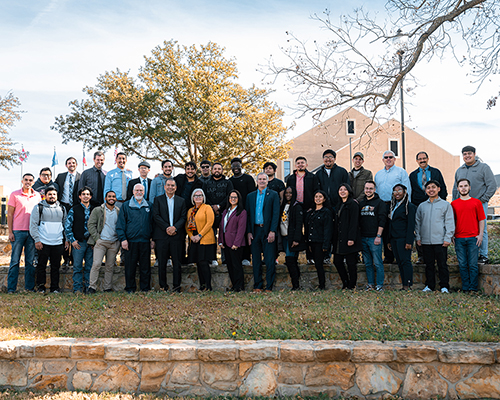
x,y
319,226
347,241
232,238
290,230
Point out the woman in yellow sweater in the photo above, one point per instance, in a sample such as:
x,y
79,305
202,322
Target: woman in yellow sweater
x,y
200,219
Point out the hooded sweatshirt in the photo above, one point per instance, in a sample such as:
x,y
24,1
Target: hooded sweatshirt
x,y
50,228
482,181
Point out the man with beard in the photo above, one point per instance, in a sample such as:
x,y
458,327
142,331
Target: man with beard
x,y
274,183
205,171
47,229
117,179
134,228
217,190
358,176
103,236
187,182
158,183
94,179
331,176
469,227
44,182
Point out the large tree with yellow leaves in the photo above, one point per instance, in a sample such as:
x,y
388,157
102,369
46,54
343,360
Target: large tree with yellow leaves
x,y
9,114
184,105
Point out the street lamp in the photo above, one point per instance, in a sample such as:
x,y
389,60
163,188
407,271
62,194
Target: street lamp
x,y
400,41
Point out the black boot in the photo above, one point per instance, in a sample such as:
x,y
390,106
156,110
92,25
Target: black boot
x,y
293,270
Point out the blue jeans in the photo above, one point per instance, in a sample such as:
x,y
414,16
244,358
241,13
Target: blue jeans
x,y
286,247
22,239
483,250
372,256
467,255
81,274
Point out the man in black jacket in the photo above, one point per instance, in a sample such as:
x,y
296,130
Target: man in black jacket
x,y
144,168
372,221
187,182
169,215
331,176
304,182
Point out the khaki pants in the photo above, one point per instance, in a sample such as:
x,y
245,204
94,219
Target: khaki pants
x,y
104,248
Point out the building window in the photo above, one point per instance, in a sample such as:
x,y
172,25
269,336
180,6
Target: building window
x,y
287,168
394,147
350,127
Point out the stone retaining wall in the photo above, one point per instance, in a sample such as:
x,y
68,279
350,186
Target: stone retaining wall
x,y
365,369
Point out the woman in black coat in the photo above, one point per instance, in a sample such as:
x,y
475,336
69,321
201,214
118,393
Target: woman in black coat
x,y
319,227
347,241
291,228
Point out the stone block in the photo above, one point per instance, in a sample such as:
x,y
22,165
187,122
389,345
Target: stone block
x,y
122,352
466,353
182,352
91,365
288,391
416,354
332,352
372,379
258,352
243,368
185,374
261,381
26,350
153,375
454,372
50,382
154,352
82,381
117,378
218,353
87,351
212,373
50,350
34,368
58,367
423,382
335,374
13,373
8,351
296,352
372,352
483,384
291,374
320,392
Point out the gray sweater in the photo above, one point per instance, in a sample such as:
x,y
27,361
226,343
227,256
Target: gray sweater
x,y
50,229
482,181
434,222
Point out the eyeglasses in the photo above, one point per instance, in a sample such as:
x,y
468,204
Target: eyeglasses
x,y
233,197
198,195
388,156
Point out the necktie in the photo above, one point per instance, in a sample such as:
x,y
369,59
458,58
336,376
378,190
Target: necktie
x,y
124,186
424,179
144,183
71,187
100,188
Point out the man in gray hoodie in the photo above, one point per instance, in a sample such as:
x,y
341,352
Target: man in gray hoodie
x,y
482,187
434,228
47,229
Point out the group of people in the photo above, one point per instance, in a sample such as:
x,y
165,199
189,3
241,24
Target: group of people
x,y
86,218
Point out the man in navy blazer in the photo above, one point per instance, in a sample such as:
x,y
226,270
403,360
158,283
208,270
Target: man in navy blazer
x,y
423,174
263,211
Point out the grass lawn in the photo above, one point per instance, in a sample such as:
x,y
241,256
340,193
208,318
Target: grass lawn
x,y
340,315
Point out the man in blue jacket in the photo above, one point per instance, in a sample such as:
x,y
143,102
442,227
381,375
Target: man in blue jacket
x,y
134,228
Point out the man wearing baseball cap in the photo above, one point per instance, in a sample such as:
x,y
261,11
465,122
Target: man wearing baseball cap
x,y
358,176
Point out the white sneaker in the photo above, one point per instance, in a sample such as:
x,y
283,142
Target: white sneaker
x,y
246,263
214,263
427,289
169,262
444,290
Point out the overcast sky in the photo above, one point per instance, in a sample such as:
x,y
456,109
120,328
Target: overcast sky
x,y
50,50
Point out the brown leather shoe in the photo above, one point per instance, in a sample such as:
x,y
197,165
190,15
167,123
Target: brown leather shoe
x,y
257,291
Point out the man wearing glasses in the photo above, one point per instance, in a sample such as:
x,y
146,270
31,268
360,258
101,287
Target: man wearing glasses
x,y
385,180
205,171
21,204
44,182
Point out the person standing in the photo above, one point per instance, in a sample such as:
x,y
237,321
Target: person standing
x,y
372,221
232,239
274,183
44,182
187,182
134,228
358,176
386,179
482,187
263,208
434,229
117,179
205,171
94,178
103,236
77,233
20,206
47,229
319,229
158,183
331,176
169,215
144,168
347,238
469,227
199,227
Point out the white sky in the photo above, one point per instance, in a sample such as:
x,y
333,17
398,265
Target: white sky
x,y
50,50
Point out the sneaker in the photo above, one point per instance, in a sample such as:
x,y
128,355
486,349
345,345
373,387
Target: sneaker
x,y
91,290
214,264
444,290
326,261
368,288
246,263
420,260
156,263
56,291
310,262
379,288
427,289
169,262
482,260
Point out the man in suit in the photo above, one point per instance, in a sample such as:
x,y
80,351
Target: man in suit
x,y
94,178
169,215
263,211
143,179
68,196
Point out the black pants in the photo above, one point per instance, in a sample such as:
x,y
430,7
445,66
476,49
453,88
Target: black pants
x,y
348,276
67,254
403,258
138,252
164,250
319,256
386,238
53,253
436,253
234,267
201,254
